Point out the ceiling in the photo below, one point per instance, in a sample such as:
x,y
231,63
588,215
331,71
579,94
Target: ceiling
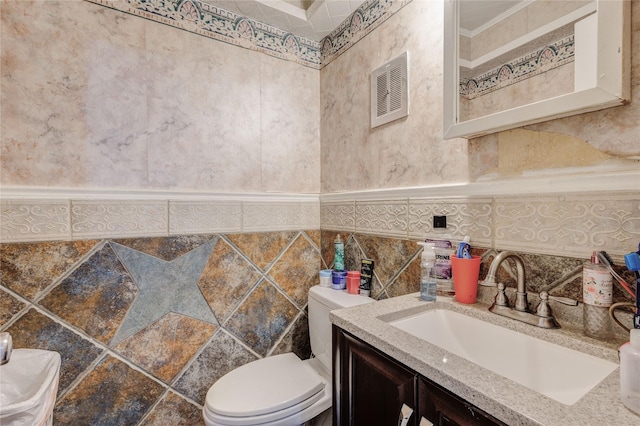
x,y
312,19
476,15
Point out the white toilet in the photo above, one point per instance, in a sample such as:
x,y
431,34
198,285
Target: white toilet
x,y
282,389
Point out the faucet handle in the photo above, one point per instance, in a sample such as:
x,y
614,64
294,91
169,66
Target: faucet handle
x,y
563,300
544,309
501,296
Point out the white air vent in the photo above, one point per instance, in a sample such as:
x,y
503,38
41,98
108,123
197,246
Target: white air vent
x,y
389,94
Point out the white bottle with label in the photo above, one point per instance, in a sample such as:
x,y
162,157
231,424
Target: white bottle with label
x,y
597,295
630,372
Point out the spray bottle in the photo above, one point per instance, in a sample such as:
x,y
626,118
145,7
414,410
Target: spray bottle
x,y
428,286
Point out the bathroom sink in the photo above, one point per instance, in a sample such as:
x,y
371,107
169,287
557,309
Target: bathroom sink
x,y
560,373
28,386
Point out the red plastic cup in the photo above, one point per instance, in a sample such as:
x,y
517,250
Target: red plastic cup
x,y
466,273
353,282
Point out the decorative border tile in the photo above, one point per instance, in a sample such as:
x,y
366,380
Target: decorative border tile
x,y
571,225
310,215
339,216
23,220
101,219
199,17
210,21
204,217
270,216
361,22
470,217
386,217
533,63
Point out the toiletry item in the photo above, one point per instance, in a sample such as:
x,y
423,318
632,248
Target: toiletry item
x,y
442,272
353,282
338,254
339,280
597,295
464,249
325,277
632,260
366,276
630,372
428,285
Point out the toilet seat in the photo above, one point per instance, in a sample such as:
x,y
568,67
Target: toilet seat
x,y
270,391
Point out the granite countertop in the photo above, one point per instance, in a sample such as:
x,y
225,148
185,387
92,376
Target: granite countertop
x,y
504,399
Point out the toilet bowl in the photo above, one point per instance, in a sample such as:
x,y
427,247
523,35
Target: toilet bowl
x,y
282,390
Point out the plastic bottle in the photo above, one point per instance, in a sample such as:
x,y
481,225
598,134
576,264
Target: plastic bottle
x,y
428,285
597,295
338,254
630,372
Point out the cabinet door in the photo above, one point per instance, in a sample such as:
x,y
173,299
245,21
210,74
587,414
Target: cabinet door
x,y
443,408
369,388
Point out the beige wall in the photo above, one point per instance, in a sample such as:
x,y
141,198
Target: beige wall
x,y
411,152
96,98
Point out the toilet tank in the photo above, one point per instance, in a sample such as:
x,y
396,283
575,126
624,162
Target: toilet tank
x,y
321,301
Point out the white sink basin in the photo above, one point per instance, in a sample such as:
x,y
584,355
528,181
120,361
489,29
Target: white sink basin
x,y
560,373
28,386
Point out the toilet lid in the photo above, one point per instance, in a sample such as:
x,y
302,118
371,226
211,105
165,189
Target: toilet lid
x,y
264,386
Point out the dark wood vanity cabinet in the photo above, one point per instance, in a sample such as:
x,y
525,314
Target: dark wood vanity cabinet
x,y
370,388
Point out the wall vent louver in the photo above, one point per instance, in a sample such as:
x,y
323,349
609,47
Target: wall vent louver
x,y
389,91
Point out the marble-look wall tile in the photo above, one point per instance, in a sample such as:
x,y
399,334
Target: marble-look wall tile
x,y
223,352
164,347
296,340
289,127
37,331
404,153
262,318
296,271
112,393
34,221
206,128
103,293
141,105
226,280
9,306
390,254
28,269
174,410
166,248
95,297
262,248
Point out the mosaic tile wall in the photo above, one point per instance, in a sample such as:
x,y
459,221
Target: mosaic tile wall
x,y
144,326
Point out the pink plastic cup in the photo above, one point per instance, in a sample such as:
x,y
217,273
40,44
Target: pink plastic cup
x,y
465,278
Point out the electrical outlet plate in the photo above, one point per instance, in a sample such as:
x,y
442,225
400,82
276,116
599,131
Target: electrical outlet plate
x,y
439,222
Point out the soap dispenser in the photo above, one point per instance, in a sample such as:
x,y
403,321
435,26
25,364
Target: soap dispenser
x,y
630,372
428,284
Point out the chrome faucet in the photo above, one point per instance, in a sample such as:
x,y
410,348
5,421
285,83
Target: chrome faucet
x,y
543,316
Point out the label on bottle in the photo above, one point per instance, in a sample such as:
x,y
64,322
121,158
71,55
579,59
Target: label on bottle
x,y
597,287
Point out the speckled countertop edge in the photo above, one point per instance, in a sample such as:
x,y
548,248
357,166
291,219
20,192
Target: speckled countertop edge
x,y
504,399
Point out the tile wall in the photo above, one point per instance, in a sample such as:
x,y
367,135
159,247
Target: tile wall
x,y
145,325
